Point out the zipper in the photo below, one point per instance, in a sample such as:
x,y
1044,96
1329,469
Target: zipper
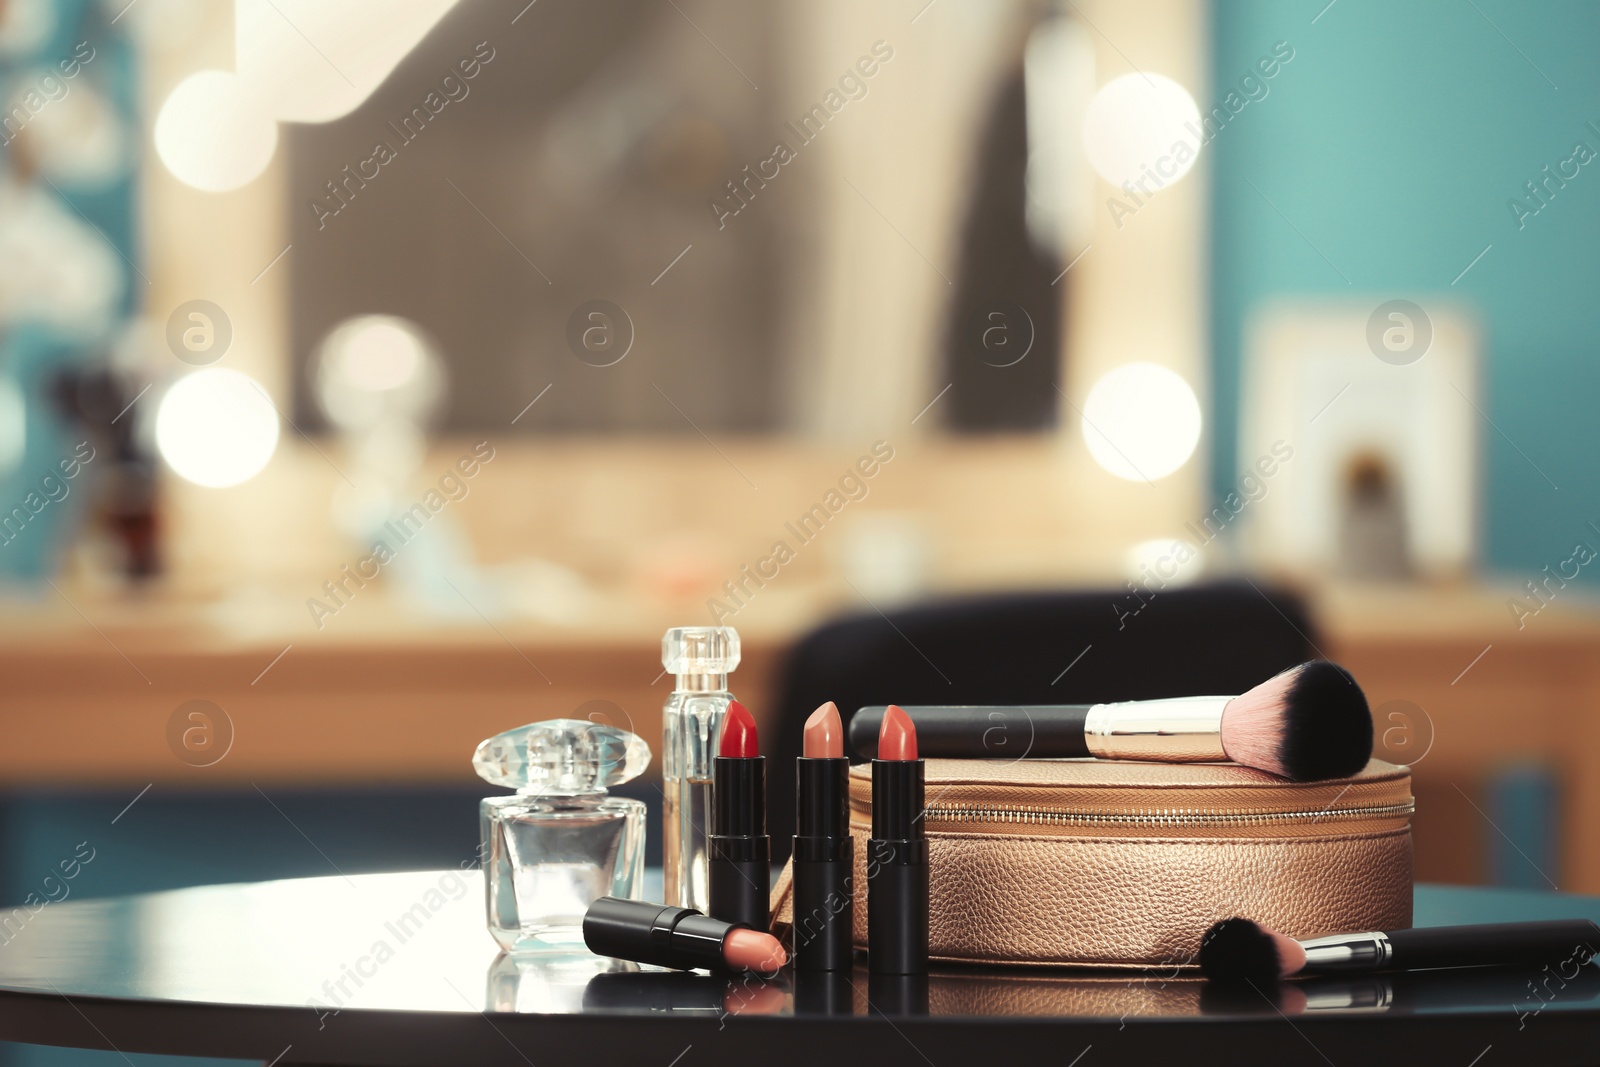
x,y
1181,818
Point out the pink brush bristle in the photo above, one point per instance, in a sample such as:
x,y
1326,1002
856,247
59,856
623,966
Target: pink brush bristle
x,y
1235,950
1308,724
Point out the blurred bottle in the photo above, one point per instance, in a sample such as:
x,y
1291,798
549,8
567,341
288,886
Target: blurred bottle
x,y
98,399
1374,543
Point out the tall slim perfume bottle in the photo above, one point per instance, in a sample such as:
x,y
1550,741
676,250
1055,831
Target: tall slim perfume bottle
x,y
701,658
561,843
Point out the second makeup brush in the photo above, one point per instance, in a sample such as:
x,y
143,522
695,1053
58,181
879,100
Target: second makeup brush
x,y
1237,950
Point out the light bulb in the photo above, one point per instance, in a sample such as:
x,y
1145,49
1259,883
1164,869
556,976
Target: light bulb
x,y
1163,562
372,368
1141,421
211,135
1142,127
216,427
380,354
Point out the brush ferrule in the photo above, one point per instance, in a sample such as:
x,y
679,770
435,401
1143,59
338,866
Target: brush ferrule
x,y
1179,730
1347,952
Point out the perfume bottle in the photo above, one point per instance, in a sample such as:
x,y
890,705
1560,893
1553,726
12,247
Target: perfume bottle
x,y
700,657
561,842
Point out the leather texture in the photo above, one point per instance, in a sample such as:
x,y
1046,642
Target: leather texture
x,y
1025,895
988,994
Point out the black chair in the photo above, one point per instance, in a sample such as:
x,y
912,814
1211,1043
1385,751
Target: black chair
x,y
1033,648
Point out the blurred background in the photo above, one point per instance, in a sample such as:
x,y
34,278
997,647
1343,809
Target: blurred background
x,y
377,375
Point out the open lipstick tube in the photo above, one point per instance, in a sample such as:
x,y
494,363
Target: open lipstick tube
x,y
741,851
897,855
824,851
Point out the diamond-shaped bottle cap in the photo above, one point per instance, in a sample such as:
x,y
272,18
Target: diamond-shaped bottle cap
x,y
700,650
561,757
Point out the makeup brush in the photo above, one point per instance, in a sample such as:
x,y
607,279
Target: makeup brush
x,y
1307,724
1238,950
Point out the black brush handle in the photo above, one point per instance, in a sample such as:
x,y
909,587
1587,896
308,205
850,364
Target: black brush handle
x,y
1039,731
1495,944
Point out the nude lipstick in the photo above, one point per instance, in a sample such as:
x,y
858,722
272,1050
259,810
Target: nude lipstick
x,y
824,851
897,855
681,938
741,851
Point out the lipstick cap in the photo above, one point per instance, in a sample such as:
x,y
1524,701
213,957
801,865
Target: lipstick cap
x,y
659,934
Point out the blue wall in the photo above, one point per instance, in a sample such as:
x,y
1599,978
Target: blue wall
x,y
32,353
1393,140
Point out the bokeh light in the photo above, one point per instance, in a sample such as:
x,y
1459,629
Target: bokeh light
x,y
216,427
1142,125
372,368
1141,421
211,135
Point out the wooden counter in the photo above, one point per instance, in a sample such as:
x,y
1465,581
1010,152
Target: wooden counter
x,y
89,699
1490,696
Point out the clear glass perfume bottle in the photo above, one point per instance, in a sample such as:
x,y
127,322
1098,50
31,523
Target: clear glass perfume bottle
x,y
561,842
701,658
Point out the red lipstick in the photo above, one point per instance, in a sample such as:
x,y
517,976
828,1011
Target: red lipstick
x,y
741,851
897,855
739,733
897,737
824,851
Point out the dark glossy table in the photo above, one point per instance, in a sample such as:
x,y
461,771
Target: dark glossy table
x,y
397,969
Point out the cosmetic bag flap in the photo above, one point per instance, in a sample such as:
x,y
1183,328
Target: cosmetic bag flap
x,y
1124,864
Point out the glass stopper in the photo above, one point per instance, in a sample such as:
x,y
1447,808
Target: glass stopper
x,y
700,650
561,757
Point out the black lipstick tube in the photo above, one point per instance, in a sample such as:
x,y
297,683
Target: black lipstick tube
x,y
741,851
661,934
824,859
897,870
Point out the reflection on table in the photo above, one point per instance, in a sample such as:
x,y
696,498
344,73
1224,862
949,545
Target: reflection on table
x,y
416,942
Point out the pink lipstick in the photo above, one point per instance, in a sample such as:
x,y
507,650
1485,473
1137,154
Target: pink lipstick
x,y
741,851
897,855
824,851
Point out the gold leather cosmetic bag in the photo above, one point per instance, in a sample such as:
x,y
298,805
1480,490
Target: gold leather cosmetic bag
x,y
1120,864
